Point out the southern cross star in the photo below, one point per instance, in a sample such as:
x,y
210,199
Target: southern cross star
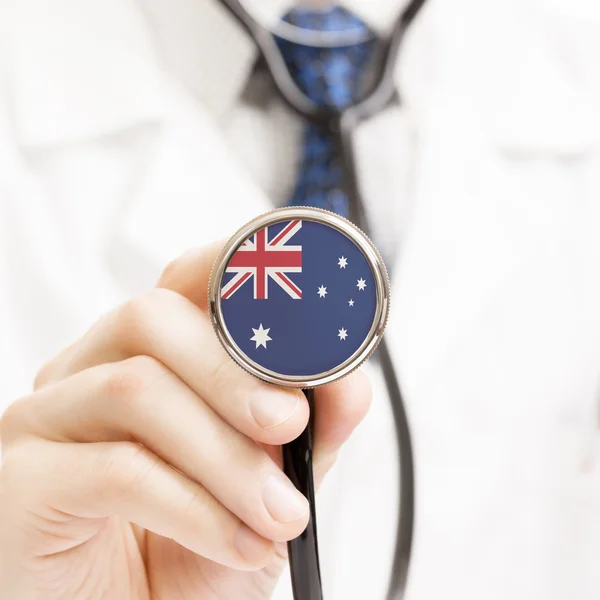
x,y
343,262
361,284
322,292
342,334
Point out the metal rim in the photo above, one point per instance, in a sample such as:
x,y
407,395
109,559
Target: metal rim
x,y
371,255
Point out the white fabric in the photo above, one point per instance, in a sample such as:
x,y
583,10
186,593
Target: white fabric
x,y
127,136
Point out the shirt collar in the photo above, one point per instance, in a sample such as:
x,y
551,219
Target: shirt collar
x,y
83,69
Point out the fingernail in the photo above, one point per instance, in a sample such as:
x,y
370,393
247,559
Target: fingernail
x,y
271,409
251,546
283,501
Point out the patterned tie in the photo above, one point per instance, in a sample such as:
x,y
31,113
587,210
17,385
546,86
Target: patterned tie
x,y
331,77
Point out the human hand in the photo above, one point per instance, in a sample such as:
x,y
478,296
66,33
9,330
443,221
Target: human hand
x,y
145,464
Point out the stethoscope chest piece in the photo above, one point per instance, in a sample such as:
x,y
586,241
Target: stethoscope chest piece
x,y
299,297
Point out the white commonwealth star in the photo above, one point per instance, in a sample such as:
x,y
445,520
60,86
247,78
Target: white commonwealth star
x,y
342,334
261,336
361,284
350,302
322,292
343,262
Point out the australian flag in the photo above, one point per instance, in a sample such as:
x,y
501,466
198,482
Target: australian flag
x,y
299,298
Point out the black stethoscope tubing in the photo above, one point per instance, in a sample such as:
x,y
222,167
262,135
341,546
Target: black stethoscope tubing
x,y
304,559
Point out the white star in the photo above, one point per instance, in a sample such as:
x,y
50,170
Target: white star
x,y
361,284
350,302
342,262
261,336
322,292
342,334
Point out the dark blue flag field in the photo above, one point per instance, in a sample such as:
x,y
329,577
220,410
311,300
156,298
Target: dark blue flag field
x,y
298,298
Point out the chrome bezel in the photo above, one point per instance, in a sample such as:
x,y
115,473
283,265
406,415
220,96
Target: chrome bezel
x,y
343,226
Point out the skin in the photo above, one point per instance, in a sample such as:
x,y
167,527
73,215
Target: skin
x,y
146,464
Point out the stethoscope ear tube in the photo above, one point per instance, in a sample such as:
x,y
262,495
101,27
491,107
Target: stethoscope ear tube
x,y
376,99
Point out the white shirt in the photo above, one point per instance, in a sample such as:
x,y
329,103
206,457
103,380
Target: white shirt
x,y
126,137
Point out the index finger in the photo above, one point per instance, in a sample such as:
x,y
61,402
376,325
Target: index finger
x,y
188,275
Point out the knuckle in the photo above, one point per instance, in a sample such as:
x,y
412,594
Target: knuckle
x,y
227,379
126,466
220,374
134,316
137,319
18,462
44,374
128,381
172,272
12,419
145,368
199,506
52,369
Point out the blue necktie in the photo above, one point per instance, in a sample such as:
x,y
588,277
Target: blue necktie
x,y
330,77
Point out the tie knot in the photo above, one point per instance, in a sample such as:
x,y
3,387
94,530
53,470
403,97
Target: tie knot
x,y
330,76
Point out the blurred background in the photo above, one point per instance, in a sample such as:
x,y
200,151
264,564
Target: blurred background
x,y
132,130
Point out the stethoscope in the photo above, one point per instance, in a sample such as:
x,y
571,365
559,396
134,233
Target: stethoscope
x,y
304,562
